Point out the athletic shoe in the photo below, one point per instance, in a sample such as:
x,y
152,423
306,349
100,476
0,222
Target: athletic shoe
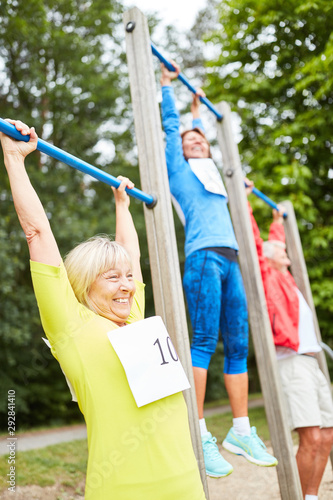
x,y
215,464
251,447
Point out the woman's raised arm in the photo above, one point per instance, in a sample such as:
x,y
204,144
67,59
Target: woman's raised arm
x,y
125,230
36,227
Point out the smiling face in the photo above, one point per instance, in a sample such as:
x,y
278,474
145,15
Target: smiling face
x,y
281,261
111,294
195,145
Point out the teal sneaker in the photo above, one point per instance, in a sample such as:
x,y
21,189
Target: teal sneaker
x,y
251,447
215,464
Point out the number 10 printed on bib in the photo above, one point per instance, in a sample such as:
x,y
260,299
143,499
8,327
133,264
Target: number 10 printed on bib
x,y
151,364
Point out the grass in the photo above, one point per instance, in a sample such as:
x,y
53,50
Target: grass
x,y
225,401
65,463
219,425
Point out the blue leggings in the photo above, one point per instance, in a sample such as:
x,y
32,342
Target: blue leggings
x,y
216,301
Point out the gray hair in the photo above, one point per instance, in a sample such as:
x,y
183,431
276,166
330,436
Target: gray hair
x,y
269,248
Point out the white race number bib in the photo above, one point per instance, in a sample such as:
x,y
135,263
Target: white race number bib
x,y
151,364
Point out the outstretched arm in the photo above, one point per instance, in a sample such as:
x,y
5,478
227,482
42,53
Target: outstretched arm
x,y
171,124
256,233
34,222
195,106
195,110
167,76
276,230
126,233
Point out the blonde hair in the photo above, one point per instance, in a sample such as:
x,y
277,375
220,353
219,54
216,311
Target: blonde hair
x,y
90,259
269,248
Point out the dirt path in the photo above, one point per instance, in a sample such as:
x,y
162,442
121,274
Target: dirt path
x,y
249,482
40,439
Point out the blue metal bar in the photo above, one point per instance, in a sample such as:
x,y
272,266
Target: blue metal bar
x,y
73,161
204,100
182,78
267,200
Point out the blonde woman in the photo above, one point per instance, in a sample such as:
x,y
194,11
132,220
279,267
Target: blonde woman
x,y
134,453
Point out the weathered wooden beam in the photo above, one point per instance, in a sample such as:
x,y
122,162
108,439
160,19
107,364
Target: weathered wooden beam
x,y
161,238
301,277
300,273
289,483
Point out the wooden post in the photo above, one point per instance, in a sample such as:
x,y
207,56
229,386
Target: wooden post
x,y
164,263
289,483
301,277
300,273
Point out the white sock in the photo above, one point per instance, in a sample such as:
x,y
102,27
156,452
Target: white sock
x,y
203,428
311,497
241,425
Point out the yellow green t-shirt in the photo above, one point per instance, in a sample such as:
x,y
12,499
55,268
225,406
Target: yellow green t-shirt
x,y
134,453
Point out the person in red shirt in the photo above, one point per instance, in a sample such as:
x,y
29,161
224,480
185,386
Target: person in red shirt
x,y
307,392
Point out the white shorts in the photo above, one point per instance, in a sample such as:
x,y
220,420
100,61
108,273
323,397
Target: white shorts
x,y
307,392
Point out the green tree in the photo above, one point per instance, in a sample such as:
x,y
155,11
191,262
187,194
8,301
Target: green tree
x,y
271,61
274,66
62,71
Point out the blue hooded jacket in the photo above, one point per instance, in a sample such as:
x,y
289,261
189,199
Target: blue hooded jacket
x,y
207,218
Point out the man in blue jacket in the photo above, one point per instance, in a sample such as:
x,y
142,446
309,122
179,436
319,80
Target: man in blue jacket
x,y
212,280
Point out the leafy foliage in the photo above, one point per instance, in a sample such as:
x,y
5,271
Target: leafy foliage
x,y
64,72
62,69
274,66
272,62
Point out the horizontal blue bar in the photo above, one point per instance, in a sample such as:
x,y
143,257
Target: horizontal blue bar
x,y
267,200
204,100
182,78
73,161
